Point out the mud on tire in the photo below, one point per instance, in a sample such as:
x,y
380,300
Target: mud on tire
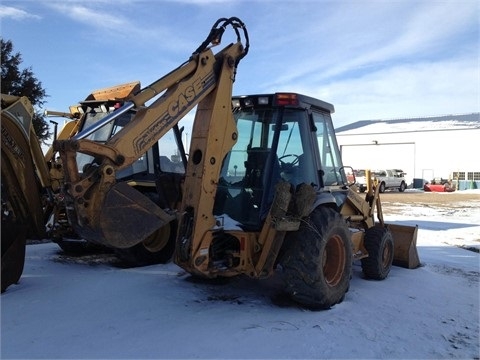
x,y
317,260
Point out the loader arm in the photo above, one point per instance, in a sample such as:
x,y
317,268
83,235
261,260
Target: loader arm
x,y
114,214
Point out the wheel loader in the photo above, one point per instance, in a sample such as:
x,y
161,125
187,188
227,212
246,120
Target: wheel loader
x,y
21,201
264,189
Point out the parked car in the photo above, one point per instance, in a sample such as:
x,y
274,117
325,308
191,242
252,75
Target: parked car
x,y
386,178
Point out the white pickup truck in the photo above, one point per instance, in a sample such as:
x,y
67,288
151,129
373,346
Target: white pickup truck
x,y
387,179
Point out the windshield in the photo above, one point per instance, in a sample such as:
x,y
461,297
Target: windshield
x,y
169,158
269,149
93,114
329,151
261,131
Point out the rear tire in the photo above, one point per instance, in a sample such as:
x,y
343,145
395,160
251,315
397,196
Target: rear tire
x,y
402,187
379,244
317,260
158,248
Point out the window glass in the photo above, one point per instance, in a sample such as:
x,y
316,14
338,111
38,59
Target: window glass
x,y
329,151
257,163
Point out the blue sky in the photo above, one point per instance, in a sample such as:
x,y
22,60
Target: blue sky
x,y
372,59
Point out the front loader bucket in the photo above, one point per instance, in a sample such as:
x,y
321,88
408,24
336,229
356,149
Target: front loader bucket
x,y
128,217
405,246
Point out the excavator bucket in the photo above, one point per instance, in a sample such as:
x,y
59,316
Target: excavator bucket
x,y
405,246
126,218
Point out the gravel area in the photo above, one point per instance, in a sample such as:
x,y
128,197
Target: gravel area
x,y
439,199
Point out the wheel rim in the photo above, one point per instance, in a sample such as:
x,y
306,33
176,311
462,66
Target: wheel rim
x,y
158,239
333,260
387,252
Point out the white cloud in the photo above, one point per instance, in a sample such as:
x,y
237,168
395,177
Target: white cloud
x,y
201,2
94,17
374,61
371,59
353,39
116,26
15,13
409,90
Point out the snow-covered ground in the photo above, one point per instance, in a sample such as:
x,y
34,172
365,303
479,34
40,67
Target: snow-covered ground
x,y
87,307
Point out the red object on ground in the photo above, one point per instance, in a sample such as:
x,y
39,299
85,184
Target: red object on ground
x,y
437,188
433,187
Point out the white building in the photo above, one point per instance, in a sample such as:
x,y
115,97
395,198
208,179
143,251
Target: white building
x,y
445,147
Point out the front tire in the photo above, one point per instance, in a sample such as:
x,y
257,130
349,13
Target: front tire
x,y
402,187
14,236
317,260
379,244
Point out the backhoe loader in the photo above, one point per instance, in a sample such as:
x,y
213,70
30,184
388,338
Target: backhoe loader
x,y
264,188
32,191
141,175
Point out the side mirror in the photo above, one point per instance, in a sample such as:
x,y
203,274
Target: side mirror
x,y
349,175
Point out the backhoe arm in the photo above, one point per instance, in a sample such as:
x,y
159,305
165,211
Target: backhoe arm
x,y
112,213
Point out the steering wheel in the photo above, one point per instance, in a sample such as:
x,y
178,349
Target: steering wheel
x,y
295,161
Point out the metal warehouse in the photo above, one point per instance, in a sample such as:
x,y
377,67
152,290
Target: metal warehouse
x,y
426,148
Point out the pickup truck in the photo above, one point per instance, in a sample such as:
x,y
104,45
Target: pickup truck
x,y
387,179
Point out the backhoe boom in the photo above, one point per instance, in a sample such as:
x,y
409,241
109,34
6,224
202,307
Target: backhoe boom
x,y
99,205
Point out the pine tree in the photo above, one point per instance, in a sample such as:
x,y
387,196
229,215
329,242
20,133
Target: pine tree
x,y
23,83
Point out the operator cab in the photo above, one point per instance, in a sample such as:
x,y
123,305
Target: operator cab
x,y
160,156
282,136
154,172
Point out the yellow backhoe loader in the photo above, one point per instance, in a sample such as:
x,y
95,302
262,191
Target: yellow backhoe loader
x,y
142,175
264,188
